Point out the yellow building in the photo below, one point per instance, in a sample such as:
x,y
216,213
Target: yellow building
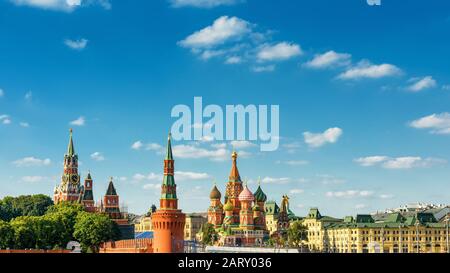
x,y
395,233
194,223
144,225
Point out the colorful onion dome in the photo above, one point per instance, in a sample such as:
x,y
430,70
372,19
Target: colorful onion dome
x,y
256,208
228,206
246,195
260,196
215,193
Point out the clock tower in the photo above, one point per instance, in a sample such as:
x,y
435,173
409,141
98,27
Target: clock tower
x,y
70,188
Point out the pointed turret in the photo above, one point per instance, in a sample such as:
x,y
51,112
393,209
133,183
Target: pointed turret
x,y
111,189
234,174
169,197
71,148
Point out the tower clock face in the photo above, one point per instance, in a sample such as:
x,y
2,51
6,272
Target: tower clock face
x,y
75,178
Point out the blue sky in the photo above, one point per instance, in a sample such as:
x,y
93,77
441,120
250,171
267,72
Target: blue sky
x,y
364,95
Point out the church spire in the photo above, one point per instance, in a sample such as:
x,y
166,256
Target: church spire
x,y
234,175
71,148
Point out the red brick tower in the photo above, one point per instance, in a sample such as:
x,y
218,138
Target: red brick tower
x,y
111,204
234,188
88,194
246,214
69,189
168,222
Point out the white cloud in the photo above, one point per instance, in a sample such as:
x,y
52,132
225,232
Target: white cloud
x,y
316,140
396,163
370,160
327,179
296,191
97,156
5,119
349,194
61,5
233,60
386,196
279,52
81,121
329,59
221,31
276,180
137,145
260,69
33,179
191,176
419,84
242,144
360,206
32,162
25,124
436,123
76,44
203,3
365,69
194,152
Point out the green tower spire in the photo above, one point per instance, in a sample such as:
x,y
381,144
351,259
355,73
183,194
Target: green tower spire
x,y
169,155
71,148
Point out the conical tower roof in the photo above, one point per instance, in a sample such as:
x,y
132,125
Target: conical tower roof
x,y
111,189
234,174
169,155
71,147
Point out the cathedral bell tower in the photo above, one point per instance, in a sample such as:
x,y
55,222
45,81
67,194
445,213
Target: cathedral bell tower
x,y
69,189
234,188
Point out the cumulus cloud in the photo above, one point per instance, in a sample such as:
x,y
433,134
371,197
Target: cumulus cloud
x,y
296,191
242,144
137,145
278,52
367,70
396,163
349,194
328,60
221,31
233,60
276,180
79,44
195,152
5,119
61,5
203,3
316,140
81,121
97,156
420,84
24,124
436,123
32,162
179,176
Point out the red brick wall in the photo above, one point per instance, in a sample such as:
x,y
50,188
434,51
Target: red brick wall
x,y
128,246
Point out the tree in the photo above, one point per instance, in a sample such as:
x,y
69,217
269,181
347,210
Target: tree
x,y
25,205
297,233
92,229
24,235
6,235
208,234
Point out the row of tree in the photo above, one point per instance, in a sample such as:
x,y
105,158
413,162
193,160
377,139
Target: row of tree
x,y
35,225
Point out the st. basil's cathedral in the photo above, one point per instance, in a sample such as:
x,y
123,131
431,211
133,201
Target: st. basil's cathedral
x,y
241,219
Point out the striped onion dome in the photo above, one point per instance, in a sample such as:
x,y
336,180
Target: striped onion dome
x,y
246,195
